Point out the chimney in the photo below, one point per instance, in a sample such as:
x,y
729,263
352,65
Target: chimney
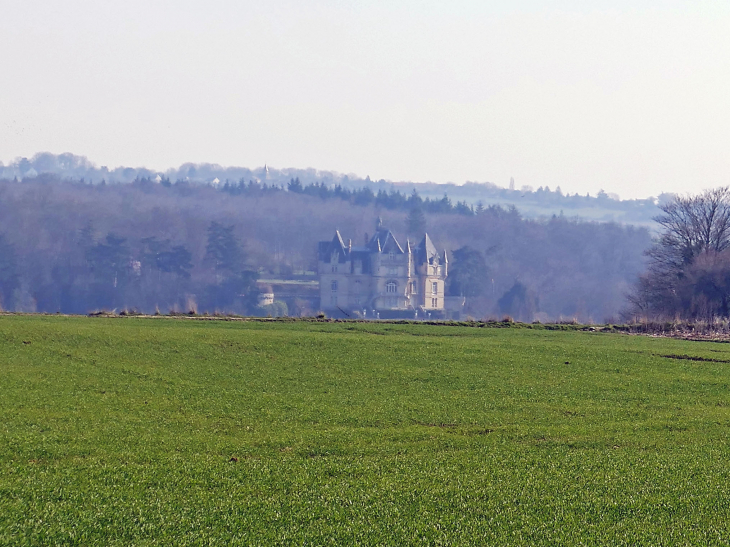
x,y
349,245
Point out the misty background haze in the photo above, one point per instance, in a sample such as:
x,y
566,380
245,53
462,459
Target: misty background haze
x,y
507,130
161,245
532,202
628,97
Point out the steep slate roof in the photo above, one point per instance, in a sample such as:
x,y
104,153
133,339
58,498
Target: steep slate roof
x,y
426,250
363,255
326,248
383,241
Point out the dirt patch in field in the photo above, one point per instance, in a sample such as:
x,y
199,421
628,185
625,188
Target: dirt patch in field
x,y
693,358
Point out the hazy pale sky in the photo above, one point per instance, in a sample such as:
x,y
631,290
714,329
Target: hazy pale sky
x,y
629,96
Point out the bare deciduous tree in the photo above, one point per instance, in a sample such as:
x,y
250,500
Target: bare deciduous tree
x,y
689,262
692,225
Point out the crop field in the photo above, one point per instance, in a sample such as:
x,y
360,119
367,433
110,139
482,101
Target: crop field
x,y
133,431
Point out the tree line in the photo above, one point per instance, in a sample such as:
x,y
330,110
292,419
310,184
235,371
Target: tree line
x,y
74,247
688,275
363,196
114,273
532,202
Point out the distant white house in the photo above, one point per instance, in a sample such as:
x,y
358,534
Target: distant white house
x,y
266,297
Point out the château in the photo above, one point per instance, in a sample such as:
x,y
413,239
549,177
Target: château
x,y
382,276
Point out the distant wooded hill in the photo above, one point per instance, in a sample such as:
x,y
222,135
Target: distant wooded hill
x,y
532,203
71,246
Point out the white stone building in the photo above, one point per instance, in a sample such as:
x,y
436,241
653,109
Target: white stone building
x,y
382,275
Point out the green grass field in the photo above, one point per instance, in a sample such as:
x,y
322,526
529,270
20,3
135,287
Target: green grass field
x,y
121,431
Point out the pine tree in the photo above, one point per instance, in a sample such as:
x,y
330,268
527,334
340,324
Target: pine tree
x,y
109,260
467,272
223,250
8,272
416,221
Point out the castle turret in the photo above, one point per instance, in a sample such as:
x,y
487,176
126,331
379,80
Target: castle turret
x,y
382,275
409,252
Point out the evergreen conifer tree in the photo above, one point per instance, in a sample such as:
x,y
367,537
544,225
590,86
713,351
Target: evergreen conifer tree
x,y
416,221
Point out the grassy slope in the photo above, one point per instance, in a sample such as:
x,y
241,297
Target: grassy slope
x,y
119,432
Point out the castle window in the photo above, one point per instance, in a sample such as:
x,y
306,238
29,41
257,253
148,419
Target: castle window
x,y
414,287
391,256
334,268
334,286
391,287
434,288
434,302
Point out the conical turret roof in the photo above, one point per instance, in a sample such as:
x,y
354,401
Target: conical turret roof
x,y
426,250
383,241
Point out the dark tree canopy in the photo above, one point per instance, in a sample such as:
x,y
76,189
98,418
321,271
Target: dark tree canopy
x,y
223,250
177,260
416,221
161,255
236,292
689,269
8,271
692,225
109,261
518,301
468,273
173,246
295,186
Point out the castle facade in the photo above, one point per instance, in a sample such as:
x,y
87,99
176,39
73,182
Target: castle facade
x,y
382,275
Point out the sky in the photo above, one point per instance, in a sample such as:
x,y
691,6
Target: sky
x,y
626,96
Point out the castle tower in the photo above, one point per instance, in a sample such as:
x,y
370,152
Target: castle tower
x,y
381,276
